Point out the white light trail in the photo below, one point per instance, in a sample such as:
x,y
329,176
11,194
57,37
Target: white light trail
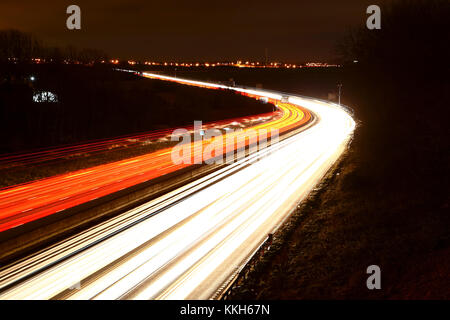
x,y
204,230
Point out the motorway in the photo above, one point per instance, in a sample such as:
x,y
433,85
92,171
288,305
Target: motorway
x,y
187,243
31,201
106,145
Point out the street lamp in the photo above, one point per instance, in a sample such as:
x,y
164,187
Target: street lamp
x,y
339,97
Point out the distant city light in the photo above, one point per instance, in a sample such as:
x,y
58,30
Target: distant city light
x,y
237,64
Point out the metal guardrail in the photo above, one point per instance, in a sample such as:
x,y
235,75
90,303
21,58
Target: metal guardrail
x,y
242,271
244,268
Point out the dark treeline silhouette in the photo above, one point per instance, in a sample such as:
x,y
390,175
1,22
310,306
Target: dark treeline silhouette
x,y
22,47
389,205
400,88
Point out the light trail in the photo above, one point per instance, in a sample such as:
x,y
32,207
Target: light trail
x,y
34,200
187,243
105,145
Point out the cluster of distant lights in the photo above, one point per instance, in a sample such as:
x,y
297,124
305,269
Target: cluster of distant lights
x,y
237,64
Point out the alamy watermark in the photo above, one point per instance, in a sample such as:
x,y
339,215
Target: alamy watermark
x,y
74,20
374,280
374,20
213,146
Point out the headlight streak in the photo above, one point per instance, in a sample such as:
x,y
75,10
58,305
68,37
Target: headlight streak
x,y
190,248
37,199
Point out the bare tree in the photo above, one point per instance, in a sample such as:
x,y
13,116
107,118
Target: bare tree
x,y
18,45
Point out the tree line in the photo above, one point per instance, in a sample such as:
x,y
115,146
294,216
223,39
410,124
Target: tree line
x,y
21,46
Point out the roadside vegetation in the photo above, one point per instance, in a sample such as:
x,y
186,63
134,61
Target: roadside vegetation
x,y
389,205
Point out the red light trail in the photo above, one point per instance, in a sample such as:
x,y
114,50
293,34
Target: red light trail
x,y
30,201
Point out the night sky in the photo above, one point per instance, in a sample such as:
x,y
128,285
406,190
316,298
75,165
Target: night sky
x,y
178,30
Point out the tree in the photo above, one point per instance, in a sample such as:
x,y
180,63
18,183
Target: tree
x,y
18,45
414,35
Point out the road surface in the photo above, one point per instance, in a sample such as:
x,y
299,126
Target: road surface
x,y
34,200
187,243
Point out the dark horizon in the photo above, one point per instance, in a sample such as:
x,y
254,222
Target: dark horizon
x,y
294,31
